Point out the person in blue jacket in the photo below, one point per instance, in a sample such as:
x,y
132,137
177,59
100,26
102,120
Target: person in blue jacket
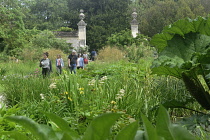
x,y
93,55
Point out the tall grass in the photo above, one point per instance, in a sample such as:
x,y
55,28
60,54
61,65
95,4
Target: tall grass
x,y
117,86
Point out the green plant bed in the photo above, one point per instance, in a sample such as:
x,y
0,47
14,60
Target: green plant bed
x,y
117,87
101,127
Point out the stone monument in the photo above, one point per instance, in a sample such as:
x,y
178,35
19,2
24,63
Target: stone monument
x,y
82,30
77,39
134,24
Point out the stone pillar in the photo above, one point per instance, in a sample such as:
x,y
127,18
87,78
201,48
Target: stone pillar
x,y
82,30
134,24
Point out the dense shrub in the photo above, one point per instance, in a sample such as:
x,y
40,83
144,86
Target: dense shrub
x,y
110,54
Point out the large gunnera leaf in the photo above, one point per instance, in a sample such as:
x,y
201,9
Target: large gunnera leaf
x,y
184,53
179,52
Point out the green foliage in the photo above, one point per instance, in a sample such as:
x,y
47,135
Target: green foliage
x,y
139,53
134,48
154,15
184,53
44,132
124,38
2,71
12,31
46,15
41,132
95,131
4,112
65,29
63,126
197,124
46,39
101,126
110,55
92,90
164,128
19,92
103,17
128,133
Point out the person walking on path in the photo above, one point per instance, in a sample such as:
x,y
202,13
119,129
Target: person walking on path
x,y
46,65
85,55
80,62
93,55
59,64
72,61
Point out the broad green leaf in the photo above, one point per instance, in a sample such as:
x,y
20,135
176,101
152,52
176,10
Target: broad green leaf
x,y
49,132
150,131
42,132
204,60
205,29
163,124
15,135
160,41
199,23
178,52
173,103
63,125
128,133
165,70
180,133
99,129
182,49
181,27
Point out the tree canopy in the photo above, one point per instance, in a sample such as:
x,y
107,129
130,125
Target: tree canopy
x,y
103,17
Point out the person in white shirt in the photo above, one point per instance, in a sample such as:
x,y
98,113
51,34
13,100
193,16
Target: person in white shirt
x,y
46,65
80,62
59,64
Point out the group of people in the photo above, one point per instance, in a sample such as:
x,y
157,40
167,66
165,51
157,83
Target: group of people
x,y
77,61
74,62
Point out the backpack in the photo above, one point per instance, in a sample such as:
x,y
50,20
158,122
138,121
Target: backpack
x,y
85,61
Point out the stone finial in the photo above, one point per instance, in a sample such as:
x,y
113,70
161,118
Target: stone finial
x,y
134,24
82,29
81,15
134,15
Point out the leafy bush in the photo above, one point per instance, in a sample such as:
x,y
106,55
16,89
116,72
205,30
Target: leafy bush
x,y
125,38
134,48
65,29
30,54
47,39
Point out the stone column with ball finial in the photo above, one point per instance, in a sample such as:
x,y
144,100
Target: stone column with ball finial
x,y
134,24
82,30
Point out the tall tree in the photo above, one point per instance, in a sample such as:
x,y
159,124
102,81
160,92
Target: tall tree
x,y
46,14
103,17
206,5
164,12
11,28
